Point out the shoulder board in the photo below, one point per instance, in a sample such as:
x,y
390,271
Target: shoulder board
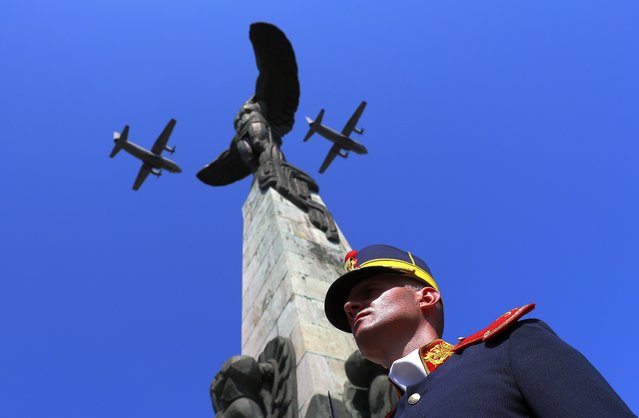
x,y
500,324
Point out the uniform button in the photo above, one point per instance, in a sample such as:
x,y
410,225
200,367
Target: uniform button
x,y
414,398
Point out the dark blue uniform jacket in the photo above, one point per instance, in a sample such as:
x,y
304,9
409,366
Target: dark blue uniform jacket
x,y
527,371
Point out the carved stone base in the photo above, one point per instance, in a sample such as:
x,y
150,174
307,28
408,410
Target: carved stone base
x,y
296,186
266,387
368,392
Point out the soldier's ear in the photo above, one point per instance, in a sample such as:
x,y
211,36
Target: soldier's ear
x,y
428,298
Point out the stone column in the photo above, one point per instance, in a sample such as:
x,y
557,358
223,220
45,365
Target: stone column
x,y
287,267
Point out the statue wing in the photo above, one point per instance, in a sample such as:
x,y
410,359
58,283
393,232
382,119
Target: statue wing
x,y
225,169
277,85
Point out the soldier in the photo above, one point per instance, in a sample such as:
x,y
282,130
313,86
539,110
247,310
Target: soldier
x,y
391,304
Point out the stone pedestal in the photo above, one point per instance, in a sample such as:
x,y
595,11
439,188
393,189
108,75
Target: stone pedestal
x,y
288,265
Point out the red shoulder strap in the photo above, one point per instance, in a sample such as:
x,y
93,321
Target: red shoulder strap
x,y
500,324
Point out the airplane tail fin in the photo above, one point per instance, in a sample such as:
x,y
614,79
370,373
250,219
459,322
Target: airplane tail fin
x,y
314,124
119,139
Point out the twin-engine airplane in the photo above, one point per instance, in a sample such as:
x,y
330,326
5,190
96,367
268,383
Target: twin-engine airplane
x,y
340,140
153,162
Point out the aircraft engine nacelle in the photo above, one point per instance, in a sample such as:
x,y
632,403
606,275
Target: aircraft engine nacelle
x,y
343,154
169,149
156,172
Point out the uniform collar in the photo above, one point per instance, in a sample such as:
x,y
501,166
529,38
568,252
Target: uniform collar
x,y
407,370
418,364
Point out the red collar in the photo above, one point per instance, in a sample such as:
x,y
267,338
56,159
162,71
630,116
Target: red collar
x,y
434,354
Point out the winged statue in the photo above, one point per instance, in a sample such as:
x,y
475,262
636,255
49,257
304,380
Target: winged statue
x,y
261,123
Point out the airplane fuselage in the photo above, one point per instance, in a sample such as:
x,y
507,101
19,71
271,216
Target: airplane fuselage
x,y
156,161
344,142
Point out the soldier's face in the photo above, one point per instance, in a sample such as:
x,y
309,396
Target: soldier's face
x,y
382,307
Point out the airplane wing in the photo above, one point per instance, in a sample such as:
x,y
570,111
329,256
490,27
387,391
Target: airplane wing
x,y
334,151
350,125
142,175
162,140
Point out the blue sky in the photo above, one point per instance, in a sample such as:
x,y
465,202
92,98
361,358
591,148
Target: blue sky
x,y
503,144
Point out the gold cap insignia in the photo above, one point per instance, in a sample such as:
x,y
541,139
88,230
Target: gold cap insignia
x,y
350,264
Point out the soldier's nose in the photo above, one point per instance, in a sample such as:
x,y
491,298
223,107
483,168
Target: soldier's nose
x,y
351,308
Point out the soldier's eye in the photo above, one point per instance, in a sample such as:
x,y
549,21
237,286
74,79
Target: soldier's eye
x,y
370,292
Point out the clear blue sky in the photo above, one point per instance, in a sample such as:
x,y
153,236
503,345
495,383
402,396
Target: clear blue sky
x,y
503,143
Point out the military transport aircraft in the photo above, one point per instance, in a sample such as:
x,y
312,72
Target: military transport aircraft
x,y
153,162
340,140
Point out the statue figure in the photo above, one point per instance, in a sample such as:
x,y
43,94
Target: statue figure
x,y
253,136
262,388
235,391
368,392
260,125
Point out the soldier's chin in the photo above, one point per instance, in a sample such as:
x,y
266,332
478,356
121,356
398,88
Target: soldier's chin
x,y
369,348
359,325
364,335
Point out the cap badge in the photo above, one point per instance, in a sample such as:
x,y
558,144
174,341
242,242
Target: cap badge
x,y
350,262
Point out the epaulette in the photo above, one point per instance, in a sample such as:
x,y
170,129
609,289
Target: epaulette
x,y
503,322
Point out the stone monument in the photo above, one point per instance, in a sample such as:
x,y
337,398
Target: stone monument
x,y
292,358
288,265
